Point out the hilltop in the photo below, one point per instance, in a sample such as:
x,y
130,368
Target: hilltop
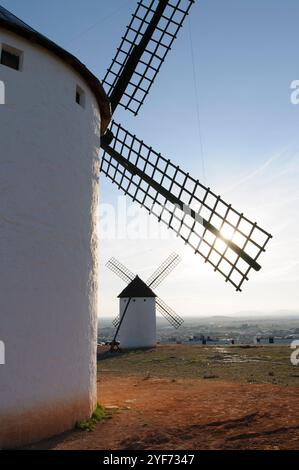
x,y
193,397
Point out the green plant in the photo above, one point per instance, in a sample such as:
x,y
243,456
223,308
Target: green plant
x,y
89,424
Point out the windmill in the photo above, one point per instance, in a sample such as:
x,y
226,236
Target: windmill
x,y
221,235
56,117
130,332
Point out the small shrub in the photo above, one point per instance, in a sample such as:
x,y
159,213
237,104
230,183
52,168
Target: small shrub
x,y
90,424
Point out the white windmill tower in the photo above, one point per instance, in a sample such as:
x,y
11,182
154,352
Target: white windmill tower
x,y
137,309
51,125
50,130
136,322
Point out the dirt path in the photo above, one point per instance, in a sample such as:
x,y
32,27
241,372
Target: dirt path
x,y
155,413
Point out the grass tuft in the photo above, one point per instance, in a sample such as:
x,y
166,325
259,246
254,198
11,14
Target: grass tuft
x,y
89,424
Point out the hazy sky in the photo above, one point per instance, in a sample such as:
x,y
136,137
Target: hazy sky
x,y
246,54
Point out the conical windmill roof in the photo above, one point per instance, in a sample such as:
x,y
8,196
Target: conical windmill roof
x,y
14,24
137,288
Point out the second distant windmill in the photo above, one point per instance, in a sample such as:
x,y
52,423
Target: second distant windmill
x,y
136,322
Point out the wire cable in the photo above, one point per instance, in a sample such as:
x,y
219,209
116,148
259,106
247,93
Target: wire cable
x,y
197,101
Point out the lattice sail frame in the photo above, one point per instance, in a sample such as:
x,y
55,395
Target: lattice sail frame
x,y
124,273
120,270
224,237
160,274
174,319
151,59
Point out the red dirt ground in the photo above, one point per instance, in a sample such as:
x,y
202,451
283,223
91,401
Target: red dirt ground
x,y
193,414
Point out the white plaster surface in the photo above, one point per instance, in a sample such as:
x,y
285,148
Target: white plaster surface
x,y
49,169
138,329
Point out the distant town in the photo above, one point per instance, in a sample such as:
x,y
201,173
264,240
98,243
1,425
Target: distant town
x,y
265,329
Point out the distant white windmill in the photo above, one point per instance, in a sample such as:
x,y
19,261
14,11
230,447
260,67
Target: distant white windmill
x,y
136,322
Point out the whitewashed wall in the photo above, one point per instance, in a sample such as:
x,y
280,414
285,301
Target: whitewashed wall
x,y
48,247
138,329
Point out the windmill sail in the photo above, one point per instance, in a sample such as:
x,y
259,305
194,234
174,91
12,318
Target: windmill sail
x,y
224,237
120,269
162,272
115,321
168,313
148,39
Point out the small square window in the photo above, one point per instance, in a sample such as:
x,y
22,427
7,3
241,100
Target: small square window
x,y
11,57
80,97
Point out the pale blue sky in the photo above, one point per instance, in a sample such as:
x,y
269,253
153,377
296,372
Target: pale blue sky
x,y
246,54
